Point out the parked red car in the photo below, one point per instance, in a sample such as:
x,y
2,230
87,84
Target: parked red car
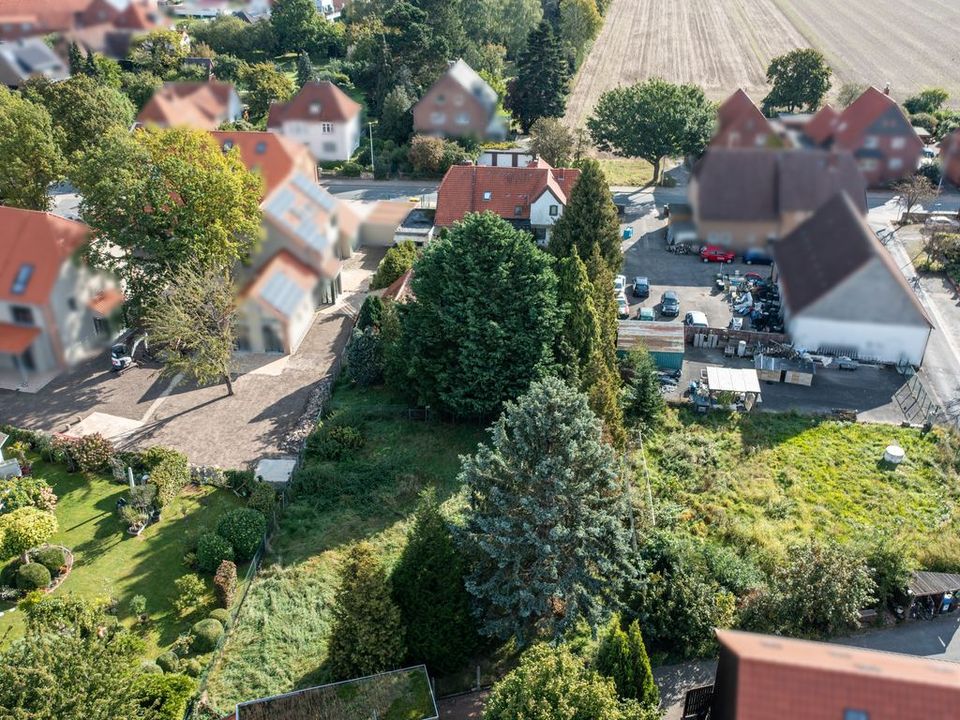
x,y
712,253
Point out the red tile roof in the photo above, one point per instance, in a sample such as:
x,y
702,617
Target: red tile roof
x,y
950,154
316,102
401,290
821,126
200,105
105,302
15,339
48,14
463,187
136,16
38,240
861,114
273,156
734,107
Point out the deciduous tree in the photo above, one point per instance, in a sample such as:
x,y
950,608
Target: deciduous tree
x,y
428,587
30,159
589,219
192,323
139,87
800,78
848,93
367,633
580,21
546,519
265,84
161,51
158,199
294,24
551,139
23,529
551,683
485,317
652,120
913,191
928,100
543,78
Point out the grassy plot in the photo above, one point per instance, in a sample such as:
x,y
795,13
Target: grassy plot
x,y
762,481
279,642
626,171
109,562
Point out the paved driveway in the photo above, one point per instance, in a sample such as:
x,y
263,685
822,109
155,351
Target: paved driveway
x,y
211,427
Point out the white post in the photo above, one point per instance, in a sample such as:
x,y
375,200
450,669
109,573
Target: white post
x,y
130,477
372,164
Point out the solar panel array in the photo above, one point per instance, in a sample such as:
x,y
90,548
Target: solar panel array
x,y
283,293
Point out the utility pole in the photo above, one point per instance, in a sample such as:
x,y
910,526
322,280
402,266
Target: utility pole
x,y
372,165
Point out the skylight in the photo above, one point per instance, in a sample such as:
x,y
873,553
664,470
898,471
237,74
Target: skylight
x,y
22,279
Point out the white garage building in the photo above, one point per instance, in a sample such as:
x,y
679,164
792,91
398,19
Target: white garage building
x,y
843,294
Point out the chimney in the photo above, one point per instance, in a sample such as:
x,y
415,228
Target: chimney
x,y
886,89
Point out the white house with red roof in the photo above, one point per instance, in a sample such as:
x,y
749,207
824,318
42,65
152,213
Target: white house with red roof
x,y
54,311
306,233
531,198
322,117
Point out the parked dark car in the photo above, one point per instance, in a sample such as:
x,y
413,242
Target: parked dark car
x,y
712,253
670,304
641,287
757,257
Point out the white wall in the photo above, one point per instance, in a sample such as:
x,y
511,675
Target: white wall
x,y
339,144
78,335
888,343
43,356
540,210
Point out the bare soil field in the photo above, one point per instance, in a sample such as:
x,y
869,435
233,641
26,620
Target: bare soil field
x,y
719,44
725,44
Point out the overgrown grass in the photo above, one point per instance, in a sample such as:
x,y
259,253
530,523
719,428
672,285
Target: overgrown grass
x,y
279,642
627,171
109,562
762,482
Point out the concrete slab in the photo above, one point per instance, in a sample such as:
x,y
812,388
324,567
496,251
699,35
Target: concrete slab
x,y
112,427
276,471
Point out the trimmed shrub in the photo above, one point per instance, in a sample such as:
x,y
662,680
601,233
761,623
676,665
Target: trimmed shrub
x,y
225,583
52,558
211,551
25,528
190,590
150,668
395,263
8,573
222,616
365,364
164,697
33,576
351,169
206,635
262,497
243,528
192,667
169,471
371,313
168,662
92,453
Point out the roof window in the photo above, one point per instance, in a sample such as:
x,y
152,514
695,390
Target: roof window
x,y
22,279
227,145
315,108
261,148
487,194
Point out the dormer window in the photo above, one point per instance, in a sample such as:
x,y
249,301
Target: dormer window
x,y
315,108
440,99
487,195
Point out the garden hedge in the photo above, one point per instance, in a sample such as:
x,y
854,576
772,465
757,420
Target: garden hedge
x,y
212,550
168,470
243,528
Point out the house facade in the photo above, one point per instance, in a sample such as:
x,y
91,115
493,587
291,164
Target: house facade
x,y
744,198
878,134
459,104
950,157
843,294
306,233
532,198
54,311
21,60
740,124
199,105
322,117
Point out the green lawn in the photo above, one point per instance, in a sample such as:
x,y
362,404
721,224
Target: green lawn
x,y
279,642
110,562
762,481
627,171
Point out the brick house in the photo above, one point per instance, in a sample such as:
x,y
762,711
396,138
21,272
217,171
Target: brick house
x,y
531,198
322,117
459,104
878,133
740,124
760,677
54,311
950,157
306,232
747,198
199,105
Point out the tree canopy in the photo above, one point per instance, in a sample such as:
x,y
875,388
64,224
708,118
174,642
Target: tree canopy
x,y
543,78
428,587
265,84
30,159
295,24
546,521
161,51
157,199
652,120
551,139
928,100
800,78
485,317
580,21
622,657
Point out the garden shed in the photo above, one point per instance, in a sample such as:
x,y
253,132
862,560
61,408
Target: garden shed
x,y
664,341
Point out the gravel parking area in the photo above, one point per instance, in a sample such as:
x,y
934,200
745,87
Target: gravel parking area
x,y
693,280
